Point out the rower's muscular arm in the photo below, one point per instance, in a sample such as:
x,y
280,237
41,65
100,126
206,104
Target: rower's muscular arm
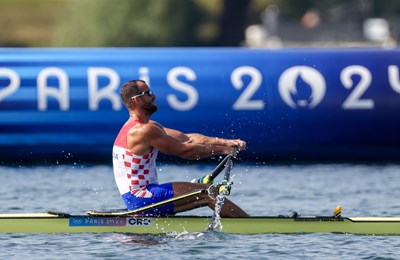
x,y
145,136
202,139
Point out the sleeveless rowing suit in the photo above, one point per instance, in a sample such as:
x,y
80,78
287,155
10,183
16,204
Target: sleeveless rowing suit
x,y
136,176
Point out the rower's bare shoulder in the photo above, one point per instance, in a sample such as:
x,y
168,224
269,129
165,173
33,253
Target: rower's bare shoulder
x,y
148,129
154,123
137,128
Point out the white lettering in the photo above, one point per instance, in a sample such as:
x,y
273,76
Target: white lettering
x,y
190,91
144,75
394,80
15,82
107,92
44,90
244,101
354,100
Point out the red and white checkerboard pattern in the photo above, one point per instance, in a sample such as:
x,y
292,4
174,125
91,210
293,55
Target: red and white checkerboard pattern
x,y
139,175
133,172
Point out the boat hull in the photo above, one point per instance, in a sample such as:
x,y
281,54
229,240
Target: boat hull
x,y
50,223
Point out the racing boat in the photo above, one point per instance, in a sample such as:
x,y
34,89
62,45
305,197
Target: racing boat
x,y
134,221
56,222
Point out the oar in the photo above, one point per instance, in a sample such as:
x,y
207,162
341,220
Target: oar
x,y
223,191
210,177
220,167
225,184
151,206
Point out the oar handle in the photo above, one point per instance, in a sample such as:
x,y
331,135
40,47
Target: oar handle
x,y
228,168
209,178
225,186
220,167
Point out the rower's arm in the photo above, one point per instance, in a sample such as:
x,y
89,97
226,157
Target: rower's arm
x,y
202,139
175,143
177,134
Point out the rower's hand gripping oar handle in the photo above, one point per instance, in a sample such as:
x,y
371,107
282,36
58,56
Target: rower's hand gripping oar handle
x,y
209,178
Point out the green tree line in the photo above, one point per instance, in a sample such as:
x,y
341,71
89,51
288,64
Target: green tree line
x,y
153,23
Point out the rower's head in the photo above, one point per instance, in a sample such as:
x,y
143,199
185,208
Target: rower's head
x,y
136,93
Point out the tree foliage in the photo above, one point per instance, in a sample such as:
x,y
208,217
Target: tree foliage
x,y
128,23
153,23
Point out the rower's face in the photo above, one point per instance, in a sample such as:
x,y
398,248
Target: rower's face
x,y
147,99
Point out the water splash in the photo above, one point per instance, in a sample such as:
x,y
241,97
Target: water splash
x,y
215,223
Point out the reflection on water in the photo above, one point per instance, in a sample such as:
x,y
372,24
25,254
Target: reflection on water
x,y
138,240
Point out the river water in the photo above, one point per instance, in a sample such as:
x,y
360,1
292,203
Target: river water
x,y
260,189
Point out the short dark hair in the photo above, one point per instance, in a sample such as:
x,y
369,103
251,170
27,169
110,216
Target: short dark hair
x,y
130,89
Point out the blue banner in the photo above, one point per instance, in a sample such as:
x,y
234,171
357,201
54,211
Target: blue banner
x,y
288,104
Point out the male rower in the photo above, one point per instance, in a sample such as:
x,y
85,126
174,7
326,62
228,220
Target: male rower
x,y
135,152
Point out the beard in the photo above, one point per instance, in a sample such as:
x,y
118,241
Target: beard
x,y
151,108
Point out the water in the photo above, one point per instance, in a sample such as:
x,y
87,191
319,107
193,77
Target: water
x,y
362,190
215,223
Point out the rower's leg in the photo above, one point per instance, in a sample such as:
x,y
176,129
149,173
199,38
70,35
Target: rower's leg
x,y
229,209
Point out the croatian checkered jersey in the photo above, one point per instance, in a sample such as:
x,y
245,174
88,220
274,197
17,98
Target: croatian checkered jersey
x,y
133,172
